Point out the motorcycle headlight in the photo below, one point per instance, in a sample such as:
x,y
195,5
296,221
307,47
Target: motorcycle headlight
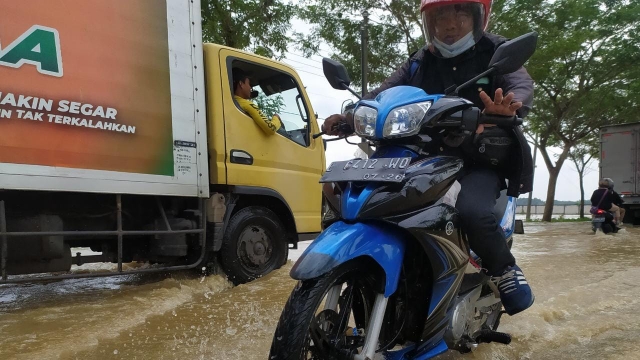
x,y
405,120
364,121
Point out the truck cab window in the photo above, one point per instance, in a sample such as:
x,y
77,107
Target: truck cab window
x,y
285,104
279,94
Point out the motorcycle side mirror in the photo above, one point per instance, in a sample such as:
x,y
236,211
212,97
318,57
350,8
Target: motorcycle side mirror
x,y
508,57
512,54
337,75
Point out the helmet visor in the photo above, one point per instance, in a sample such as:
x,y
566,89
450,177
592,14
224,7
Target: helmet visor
x,y
449,23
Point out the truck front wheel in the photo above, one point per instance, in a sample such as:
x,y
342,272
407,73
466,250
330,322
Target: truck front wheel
x,y
254,244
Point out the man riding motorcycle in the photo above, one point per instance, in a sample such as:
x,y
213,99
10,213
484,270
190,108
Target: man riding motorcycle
x,y
608,200
458,49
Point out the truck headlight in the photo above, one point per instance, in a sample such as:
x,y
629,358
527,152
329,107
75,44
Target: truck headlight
x,y
364,121
405,120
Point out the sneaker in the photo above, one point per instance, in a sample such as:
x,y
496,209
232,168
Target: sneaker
x,y
515,292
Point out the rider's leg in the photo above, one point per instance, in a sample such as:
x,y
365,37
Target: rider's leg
x,y
616,213
476,200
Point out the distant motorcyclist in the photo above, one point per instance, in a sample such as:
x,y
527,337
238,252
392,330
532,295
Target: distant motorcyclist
x,y
606,199
457,50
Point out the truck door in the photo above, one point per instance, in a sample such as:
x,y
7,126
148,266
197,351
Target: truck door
x,y
289,162
618,158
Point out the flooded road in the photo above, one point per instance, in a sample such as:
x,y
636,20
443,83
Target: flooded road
x,y
586,307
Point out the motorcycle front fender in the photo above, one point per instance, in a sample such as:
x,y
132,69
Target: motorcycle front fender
x,y
342,242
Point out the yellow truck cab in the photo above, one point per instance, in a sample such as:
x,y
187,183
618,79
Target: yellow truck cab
x,y
120,141
269,182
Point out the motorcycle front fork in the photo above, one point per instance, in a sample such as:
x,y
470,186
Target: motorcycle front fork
x,y
373,330
375,324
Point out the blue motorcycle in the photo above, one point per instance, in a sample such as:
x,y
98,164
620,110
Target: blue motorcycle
x,y
393,277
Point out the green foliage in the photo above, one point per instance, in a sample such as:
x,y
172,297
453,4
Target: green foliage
x,y
584,69
269,105
259,26
394,33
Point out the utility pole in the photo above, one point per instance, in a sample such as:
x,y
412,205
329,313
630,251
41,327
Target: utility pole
x,y
535,152
364,34
364,39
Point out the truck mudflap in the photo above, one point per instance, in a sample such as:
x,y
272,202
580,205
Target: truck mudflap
x,y
119,233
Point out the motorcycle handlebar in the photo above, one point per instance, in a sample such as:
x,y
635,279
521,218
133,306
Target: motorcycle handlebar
x,y
342,127
500,120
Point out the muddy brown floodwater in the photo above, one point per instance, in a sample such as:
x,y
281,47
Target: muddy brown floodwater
x,y
586,307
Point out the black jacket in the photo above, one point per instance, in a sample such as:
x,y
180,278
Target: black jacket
x,y
602,198
435,74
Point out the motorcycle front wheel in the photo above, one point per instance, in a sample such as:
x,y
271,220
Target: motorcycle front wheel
x,y
326,317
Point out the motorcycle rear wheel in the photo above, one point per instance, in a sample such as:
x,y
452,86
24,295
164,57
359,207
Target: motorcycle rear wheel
x,y
309,330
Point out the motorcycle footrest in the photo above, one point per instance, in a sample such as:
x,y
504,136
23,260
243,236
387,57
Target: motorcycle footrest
x,y
488,336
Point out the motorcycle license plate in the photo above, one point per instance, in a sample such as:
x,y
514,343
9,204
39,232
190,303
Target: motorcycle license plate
x,y
381,169
598,220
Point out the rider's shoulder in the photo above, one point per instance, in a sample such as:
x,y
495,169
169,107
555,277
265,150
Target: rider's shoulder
x,y
494,39
419,54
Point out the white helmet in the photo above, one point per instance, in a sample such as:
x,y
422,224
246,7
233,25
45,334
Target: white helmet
x,y
606,183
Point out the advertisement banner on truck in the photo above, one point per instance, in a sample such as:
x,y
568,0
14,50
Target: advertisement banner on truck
x,y
86,85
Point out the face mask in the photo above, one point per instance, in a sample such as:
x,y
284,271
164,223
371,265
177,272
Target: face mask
x,y
456,48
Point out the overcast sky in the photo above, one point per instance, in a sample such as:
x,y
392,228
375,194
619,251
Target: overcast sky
x,y
326,101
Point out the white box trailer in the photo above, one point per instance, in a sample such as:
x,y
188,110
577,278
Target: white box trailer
x,y
62,125
100,102
620,161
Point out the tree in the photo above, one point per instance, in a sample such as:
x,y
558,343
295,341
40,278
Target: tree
x,y
584,69
581,155
270,105
394,33
260,26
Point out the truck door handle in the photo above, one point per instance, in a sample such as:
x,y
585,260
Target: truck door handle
x,y
241,157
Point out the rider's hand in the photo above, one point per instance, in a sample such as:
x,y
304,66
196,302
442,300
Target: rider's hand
x,y
498,106
330,125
